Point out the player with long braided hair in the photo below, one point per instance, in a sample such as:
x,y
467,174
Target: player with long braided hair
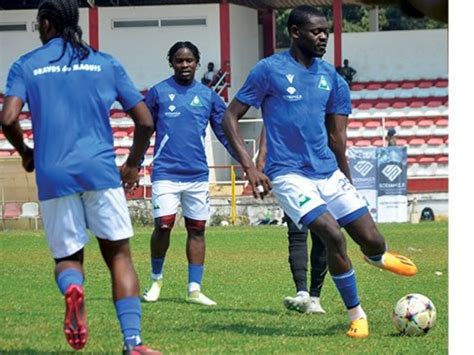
x,y
69,89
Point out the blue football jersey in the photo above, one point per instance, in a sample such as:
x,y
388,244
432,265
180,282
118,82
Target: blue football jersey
x,y
182,114
295,101
69,103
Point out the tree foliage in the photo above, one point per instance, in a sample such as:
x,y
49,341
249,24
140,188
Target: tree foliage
x,y
356,19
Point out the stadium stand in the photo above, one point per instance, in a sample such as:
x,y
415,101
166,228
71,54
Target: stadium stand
x,y
416,109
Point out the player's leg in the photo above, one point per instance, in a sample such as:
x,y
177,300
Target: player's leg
x,y
365,233
340,268
351,212
195,206
311,210
298,260
319,269
108,218
66,235
165,200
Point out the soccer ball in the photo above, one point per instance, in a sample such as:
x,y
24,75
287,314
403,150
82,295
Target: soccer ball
x,y
414,314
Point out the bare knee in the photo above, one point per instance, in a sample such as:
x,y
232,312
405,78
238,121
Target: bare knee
x,y
195,228
164,224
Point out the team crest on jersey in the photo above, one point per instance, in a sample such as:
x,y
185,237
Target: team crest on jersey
x,y
291,90
196,102
290,77
172,96
323,84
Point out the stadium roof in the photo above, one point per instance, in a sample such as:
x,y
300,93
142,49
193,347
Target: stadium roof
x,y
260,4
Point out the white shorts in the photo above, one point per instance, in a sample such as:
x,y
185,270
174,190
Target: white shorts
x,y
66,219
193,197
299,195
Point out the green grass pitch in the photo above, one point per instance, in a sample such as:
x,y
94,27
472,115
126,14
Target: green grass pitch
x,y
247,273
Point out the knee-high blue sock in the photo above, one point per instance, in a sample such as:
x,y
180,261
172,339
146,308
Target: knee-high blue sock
x,y
347,287
157,267
69,277
129,313
195,273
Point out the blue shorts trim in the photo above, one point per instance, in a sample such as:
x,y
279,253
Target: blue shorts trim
x,y
351,217
312,215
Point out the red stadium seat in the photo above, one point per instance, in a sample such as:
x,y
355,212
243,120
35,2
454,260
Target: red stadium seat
x,y
416,104
390,86
407,127
349,143
382,105
374,86
415,146
425,84
399,104
378,143
441,83
357,87
391,124
354,124
24,116
364,106
4,153
442,160
434,103
435,146
120,134
402,142
118,114
426,127
363,143
11,210
426,160
408,85
411,160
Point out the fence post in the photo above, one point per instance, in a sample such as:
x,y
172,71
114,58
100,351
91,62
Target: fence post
x,y
233,207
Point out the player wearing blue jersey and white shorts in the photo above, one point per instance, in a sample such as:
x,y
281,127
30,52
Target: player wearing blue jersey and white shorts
x,y
182,109
297,94
304,301
69,88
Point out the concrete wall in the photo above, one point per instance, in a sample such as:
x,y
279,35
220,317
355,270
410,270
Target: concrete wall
x,y
395,55
16,43
143,51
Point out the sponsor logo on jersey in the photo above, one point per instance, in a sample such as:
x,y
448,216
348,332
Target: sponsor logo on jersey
x,y
196,102
363,167
391,171
171,111
323,84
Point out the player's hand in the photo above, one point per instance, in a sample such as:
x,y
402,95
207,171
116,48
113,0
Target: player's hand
x,y
260,183
129,176
27,160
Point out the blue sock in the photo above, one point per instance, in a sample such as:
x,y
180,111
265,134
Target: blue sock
x,y
157,265
375,258
347,287
195,273
129,313
69,277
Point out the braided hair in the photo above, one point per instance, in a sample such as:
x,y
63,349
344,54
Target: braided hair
x,y
179,45
64,16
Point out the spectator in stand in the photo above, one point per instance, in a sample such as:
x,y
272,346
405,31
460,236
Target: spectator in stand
x,y
391,140
209,77
347,72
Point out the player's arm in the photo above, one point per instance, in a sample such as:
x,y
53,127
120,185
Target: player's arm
x,y
262,151
230,124
336,126
13,132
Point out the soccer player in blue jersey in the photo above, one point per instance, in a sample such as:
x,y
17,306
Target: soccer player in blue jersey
x,y
304,301
297,91
69,89
182,109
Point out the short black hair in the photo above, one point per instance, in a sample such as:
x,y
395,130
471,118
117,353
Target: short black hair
x,y
64,16
300,14
186,44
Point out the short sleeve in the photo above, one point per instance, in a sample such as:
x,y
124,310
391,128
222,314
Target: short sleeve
x,y
255,87
340,99
16,85
151,100
127,93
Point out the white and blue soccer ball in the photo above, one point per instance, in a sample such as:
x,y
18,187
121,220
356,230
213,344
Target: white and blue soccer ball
x,y
414,314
